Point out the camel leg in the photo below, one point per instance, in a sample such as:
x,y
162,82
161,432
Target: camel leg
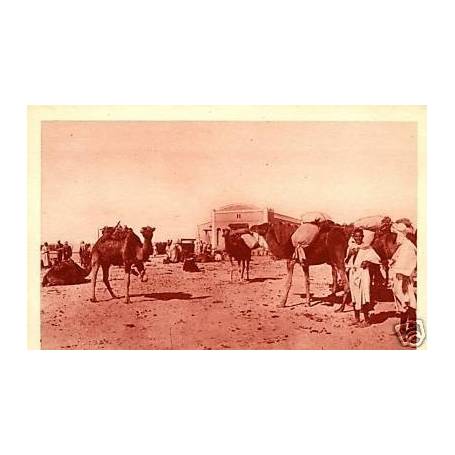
x,y
232,268
345,283
106,281
306,280
94,274
239,270
128,279
247,270
290,266
243,269
334,279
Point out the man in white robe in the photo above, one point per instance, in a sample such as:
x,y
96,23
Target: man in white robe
x,y
403,266
358,258
45,256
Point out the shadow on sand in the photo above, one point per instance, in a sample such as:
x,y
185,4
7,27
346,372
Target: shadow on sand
x,y
49,286
329,300
303,296
379,318
170,296
261,280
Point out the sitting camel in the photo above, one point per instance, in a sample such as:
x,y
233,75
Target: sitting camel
x,y
329,247
237,249
121,246
65,273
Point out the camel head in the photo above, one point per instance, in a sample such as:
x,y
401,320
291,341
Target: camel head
x,y
147,232
261,229
226,232
384,243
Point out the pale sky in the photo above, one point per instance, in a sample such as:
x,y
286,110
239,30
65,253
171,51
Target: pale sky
x,y
171,174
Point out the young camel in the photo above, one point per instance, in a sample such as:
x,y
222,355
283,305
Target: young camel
x,y
121,246
329,247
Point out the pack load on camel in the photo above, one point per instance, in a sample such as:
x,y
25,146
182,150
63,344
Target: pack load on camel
x,y
314,217
65,273
374,223
370,225
245,234
306,233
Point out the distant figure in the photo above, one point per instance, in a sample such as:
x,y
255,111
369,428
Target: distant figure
x,y
82,253
173,252
189,265
358,258
155,250
67,251
88,255
45,256
59,252
168,249
203,247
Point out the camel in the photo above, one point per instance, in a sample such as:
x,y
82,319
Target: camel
x,y
237,249
329,247
65,273
385,244
121,246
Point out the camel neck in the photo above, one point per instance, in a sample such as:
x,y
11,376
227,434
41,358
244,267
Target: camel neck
x,y
227,243
147,249
276,248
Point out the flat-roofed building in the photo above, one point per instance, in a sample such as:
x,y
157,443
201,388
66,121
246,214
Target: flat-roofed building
x,y
236,216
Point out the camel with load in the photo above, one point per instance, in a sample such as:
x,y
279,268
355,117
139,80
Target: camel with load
x,y
328,247
121,246
237,249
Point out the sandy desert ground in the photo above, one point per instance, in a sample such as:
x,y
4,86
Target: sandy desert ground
x,y
181,310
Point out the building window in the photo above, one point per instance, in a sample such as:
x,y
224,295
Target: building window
x,y
239,216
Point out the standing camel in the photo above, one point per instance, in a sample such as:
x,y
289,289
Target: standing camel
x,y
121,246
329,247
237,249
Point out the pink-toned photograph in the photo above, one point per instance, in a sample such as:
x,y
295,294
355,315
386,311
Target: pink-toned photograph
x,y
229,235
